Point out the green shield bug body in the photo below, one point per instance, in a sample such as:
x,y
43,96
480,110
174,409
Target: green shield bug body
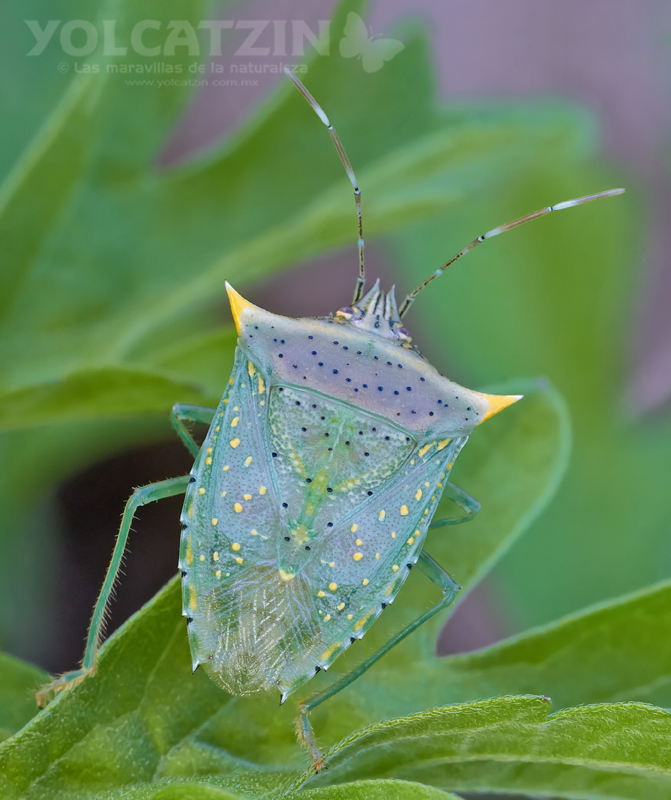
x,y
311,496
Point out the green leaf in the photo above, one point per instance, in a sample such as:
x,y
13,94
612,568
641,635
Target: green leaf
x,y
375,790
510,744
18,683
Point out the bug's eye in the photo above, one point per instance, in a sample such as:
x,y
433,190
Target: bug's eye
x,y
404,334
345,312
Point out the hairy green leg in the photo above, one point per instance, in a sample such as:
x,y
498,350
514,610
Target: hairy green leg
x,y
469,505
190,414
449,588
140,497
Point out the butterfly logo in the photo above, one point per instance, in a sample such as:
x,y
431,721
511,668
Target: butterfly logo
x,y
373,51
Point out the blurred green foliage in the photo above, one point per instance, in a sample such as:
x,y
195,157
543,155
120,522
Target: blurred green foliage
x,y
110,289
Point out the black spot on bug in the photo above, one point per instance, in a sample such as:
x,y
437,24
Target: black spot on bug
x,y
307,547
335,371
384,605
358,352
274,455
349,380
322,417
189,620
192,479
345,347
365,385
311,337
327,435
280,355
347,443
352,639
370,494
184,526
360,433
184,573
468,409
329,524
379,388
336,342
281,341
421,379
400,366
328,489
314,352
408,388
376,358
298,402
314,405
274,340
387,438
287,538
409,566
430,413
356,390
366,454
395,391
317,669
304,429
389,362
374,430
281,389
321,363
308,480
284,505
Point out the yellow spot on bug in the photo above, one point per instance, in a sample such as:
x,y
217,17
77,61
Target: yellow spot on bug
x,y
286,576
251,370
248,461
215,556
189,552
359,542
222,413
333,586
349,616
404,511
331,649
191,511
440,485
327,617
235,421
354,528
395,567
246,497
262,402
411,540
362,621
331,563
201,558
418,496
427,484
235,546
444,443
365,581
239,560
217,429
214,520
433,497
425,449
412,463
235,442
226,468
231,381
237,507
377,555
393,534
223,494
382,515
193,601
262,386
208,460
341,606
235,408
209,449
218,573
254,532
449,466
357,556
201,490
321,594
262,490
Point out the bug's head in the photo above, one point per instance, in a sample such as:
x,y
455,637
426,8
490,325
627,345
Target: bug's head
x,y
376,313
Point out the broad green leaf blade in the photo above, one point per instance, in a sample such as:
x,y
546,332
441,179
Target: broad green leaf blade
x,y
375,790
18,683
132,723
510,744
106,392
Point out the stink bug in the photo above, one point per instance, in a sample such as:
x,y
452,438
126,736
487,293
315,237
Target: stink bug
x,y
312,494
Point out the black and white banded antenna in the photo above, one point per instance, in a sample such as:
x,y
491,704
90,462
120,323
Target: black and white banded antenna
x,y
319,111
502,229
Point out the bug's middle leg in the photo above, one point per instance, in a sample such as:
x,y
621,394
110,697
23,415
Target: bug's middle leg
x,y
140,497
438,576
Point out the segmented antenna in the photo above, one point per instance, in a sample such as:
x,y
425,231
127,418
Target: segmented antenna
x,y
502,229
319,111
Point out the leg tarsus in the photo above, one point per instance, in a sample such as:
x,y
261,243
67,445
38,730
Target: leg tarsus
x,y
306,736
68,680
181,412
469,505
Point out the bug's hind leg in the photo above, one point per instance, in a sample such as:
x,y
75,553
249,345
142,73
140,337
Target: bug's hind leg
x,y
469,505
140,497
437,575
